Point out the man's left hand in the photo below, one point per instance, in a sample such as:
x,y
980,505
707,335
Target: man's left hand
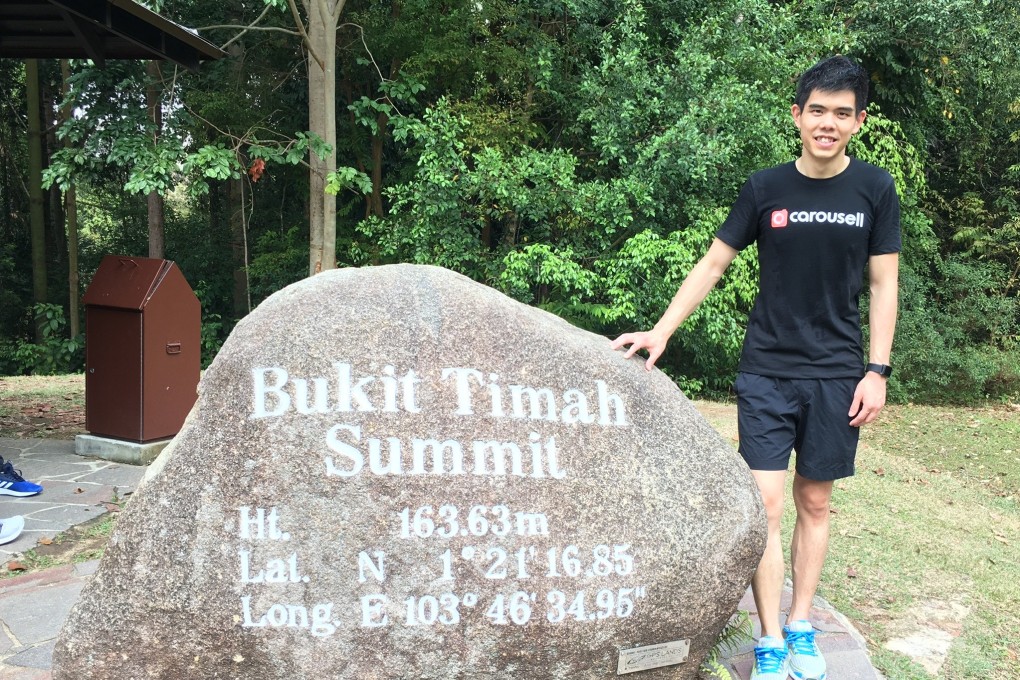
x,y
869,398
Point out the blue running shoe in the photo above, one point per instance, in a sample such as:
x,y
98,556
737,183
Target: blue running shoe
x,y
806,660
13,484
771,660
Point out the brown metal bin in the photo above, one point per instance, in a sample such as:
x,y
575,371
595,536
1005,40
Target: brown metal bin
x,y
142,349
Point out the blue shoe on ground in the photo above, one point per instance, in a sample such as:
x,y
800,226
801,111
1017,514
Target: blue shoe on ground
x,y
13,484
806,660
771,660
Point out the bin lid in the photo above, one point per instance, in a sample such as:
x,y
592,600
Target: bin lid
x,y
126,282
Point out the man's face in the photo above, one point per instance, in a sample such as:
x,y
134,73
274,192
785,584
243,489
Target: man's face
x,y
827,122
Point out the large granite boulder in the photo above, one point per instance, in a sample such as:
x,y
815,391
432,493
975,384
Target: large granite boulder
x,y
396,472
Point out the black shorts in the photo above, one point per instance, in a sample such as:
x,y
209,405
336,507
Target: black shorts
x,y
777,415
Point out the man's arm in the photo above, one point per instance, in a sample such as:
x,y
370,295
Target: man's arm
x,y
869,398
695,288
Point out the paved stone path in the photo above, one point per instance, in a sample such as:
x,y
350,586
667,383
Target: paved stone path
x,y
75,490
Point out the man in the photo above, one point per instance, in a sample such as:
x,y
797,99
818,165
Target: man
x,y
818,222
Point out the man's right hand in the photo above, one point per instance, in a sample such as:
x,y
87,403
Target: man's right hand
x,y
651,341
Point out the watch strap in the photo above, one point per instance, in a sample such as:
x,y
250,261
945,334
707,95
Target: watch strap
x,y
882,369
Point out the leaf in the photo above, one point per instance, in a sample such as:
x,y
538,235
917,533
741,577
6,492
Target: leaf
x,y
879,471
46,540
111,507
14,565
851,572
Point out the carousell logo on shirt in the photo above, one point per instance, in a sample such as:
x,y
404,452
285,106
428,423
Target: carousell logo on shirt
x,y
781,218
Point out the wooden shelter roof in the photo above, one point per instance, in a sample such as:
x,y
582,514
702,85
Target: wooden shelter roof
x,y
97,30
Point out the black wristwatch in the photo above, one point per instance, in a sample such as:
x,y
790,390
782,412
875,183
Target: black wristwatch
x,y
881,369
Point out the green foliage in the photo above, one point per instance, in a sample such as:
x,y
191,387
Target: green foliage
x,y
213,335
578,156
213,161
348,177
116,131
278,261
882,142
602,228
56,353
957,337
738,631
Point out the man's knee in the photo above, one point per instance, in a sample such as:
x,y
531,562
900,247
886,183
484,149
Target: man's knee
x,y
812,498
772,487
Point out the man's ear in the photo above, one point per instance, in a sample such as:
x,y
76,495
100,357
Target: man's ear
x,y
795,112
860,121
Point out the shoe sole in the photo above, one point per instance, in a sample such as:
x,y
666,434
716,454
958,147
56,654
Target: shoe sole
x,y
20,494
797,676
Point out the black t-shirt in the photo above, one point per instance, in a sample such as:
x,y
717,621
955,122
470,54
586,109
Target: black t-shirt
x,y
814,239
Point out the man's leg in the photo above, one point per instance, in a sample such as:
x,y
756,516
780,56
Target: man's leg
x,y
808,549
767,583
810,541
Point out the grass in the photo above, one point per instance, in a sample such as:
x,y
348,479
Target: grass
x,y
926,537
931,523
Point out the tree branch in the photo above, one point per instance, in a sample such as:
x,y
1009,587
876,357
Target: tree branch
x,y
249,27
304,34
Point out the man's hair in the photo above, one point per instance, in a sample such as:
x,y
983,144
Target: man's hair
x,y
835,74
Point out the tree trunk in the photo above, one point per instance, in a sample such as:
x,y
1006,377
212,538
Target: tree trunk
x,y
70,223
381,121
56,238
71,216
237,217
323,16
157,244
35,192
238,244
154,201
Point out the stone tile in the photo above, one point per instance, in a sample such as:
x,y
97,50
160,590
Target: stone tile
x,y
41,471
62,516
743,650
124,477
742,668
21,505
6,644
10,447
74,493
851,665
836,643
51,446
16,673
34,617
40,656
825,621
50,451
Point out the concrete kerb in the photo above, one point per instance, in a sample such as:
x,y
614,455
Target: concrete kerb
x,y
117,451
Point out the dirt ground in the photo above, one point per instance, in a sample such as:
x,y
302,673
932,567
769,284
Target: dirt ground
x,y
46,407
